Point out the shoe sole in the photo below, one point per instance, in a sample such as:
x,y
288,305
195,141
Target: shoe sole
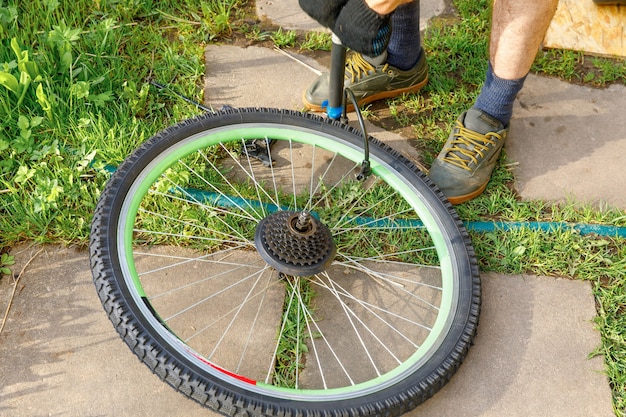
x,y
370,99
463,198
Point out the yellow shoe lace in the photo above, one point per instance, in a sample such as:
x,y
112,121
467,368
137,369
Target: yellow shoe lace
x,y
357,66
468,147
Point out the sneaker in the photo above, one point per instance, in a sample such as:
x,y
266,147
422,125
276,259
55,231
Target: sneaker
x,y
368,82
464,165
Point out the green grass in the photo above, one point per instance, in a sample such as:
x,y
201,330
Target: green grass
x,y
75,97
284,39
292,347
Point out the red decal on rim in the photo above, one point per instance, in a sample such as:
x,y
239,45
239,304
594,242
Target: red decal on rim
x,y
239,377
232,374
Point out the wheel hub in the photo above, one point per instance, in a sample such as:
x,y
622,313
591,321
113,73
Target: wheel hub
x,y
295,243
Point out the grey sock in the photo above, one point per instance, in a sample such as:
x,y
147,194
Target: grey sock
x,y
404,44
497,96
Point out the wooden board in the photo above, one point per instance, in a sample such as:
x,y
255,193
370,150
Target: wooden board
x,y
582,25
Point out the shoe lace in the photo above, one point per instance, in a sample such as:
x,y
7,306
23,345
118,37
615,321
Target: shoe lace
x,y
357,66
469,146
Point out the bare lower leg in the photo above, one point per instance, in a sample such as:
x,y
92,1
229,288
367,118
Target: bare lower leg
x,y
517,30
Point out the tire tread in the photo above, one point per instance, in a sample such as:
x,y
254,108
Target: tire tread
x,y
209,393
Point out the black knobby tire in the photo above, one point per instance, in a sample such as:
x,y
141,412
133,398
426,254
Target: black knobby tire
x,y
174,262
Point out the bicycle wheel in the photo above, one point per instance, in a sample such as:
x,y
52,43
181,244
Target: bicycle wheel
x,y
239,258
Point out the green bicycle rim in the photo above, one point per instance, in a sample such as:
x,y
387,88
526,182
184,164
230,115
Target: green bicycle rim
x,y
305,136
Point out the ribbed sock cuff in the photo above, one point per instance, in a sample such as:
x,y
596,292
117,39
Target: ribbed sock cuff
x,y
497,96
404,45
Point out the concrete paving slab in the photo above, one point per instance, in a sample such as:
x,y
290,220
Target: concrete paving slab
x,y
62,357
255,77
535,334
286,14
569,142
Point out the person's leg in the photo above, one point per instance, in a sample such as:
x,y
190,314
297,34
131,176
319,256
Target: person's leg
x,y
463,167
517,31
405,42
404,47
401,69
